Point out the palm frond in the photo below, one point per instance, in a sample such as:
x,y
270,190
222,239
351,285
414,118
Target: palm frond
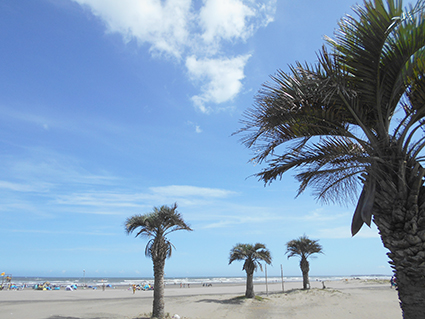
x,y
156,225
329,166
251,254
331,121
303,247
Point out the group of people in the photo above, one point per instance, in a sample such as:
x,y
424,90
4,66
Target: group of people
x,y
140,287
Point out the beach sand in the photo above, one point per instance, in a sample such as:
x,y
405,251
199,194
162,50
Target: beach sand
x,y
340,299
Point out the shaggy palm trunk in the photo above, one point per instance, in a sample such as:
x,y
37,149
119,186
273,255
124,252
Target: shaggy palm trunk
x,y
249,285
399,214
158,292
305,268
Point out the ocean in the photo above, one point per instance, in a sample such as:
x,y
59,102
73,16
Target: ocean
x,y
127,281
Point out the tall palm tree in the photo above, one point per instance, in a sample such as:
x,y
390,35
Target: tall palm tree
x,y
156,226
303,247
253,255
356,118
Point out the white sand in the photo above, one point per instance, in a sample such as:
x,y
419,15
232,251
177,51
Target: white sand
x,y
341,299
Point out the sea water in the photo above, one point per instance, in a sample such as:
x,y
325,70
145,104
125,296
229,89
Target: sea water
x,y
127,281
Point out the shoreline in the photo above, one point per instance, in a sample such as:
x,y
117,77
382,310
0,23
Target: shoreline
x,y
98,282
341,299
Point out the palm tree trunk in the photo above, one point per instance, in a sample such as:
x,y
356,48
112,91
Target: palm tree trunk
x,y
158,292
249,285
305,268
400,218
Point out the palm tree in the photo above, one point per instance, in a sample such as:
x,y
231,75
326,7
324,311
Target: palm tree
x,y
156,226
253,255
303,247
356,118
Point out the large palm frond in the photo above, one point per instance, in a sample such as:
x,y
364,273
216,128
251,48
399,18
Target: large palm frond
x,y
331,120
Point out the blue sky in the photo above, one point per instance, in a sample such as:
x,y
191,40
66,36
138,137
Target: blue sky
x,y
110,108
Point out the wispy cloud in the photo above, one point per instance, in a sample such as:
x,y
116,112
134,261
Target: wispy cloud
x,y
198,129
56,232
177,29
229,221
180,191
13,114
18,187
345,232
50,168
122,202
321,215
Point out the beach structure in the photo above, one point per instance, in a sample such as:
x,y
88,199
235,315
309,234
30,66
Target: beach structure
x,y
6,281
156,226
355,118
252,255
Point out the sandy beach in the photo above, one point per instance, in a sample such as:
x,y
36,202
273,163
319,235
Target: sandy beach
x,y
340,299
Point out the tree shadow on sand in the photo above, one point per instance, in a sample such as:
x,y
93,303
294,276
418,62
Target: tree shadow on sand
x,y
232,301
67,317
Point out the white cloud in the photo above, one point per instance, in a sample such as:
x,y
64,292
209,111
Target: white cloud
x,y
220,79
175,28
162,24
225,19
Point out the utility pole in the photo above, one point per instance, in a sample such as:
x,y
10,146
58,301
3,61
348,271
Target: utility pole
x,y
267,287
281,274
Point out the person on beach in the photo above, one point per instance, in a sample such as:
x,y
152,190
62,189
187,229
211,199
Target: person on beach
x,y
393,283
134,289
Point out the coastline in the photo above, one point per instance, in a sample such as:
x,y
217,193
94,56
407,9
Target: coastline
x,y
341,299
170,281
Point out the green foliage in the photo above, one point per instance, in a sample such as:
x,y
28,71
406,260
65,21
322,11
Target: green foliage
x,y
303,247
156,226
252,255
352,117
